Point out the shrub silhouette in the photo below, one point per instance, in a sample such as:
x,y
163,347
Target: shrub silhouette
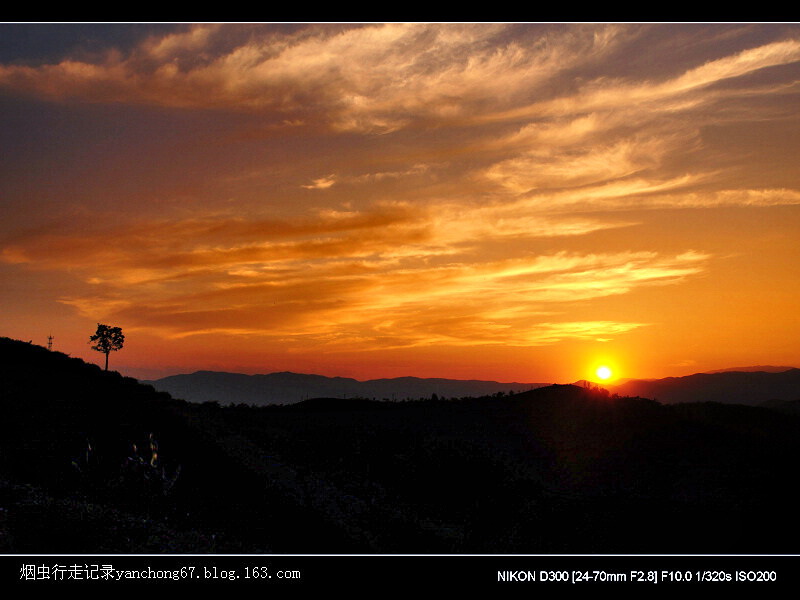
x,y
138,478
148,474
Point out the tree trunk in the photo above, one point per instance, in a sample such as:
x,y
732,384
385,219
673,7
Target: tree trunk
x,y
107,361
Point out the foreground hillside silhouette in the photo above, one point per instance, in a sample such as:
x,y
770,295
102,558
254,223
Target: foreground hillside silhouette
x,y
559,469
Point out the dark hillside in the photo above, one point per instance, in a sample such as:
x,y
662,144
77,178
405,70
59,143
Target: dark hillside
x,y
558,469
68,430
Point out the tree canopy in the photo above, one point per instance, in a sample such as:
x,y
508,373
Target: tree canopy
x,y
107,339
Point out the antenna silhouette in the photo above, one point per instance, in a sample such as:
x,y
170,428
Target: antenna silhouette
x,y
50,342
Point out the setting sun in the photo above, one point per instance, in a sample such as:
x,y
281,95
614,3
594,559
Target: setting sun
x,y
603,373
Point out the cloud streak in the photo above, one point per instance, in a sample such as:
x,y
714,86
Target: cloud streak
x,y
358,284
368,78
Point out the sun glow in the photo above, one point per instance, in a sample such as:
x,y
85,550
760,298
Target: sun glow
x,y
604,373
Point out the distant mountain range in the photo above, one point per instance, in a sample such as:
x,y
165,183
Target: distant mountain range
x,y
744,385
764,368
747,385
289,388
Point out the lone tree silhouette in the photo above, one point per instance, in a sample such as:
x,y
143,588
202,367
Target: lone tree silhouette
x,y
107,339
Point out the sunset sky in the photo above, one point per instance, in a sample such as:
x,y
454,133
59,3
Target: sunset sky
x,y
514,202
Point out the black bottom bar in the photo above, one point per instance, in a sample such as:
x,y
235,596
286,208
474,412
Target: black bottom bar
x,y
496,573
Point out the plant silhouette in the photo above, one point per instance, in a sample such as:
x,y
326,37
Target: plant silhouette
x,y
107,339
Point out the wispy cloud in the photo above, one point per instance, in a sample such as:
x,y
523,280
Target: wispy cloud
x,y
602,94
390,276
370,78
571,166
323,183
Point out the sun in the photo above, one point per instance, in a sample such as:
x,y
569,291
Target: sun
x,y
604,372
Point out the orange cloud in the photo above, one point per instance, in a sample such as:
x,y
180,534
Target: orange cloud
x,y
391,304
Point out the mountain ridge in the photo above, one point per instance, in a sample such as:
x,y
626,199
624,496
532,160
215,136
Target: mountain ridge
x,y
752,369
286,387
745,385
729,387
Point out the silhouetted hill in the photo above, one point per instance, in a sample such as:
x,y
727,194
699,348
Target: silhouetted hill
x,y
72,481
791,407
286,387
560,468
762,368
557,469
730,387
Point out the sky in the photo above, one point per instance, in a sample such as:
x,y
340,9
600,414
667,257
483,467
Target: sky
x,y
500,201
